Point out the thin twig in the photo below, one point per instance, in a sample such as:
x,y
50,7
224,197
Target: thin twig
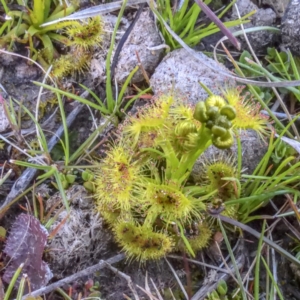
x,y
155,287
74,277
142,68
27,58
178,280
211,286
199,263
247,228
31,130
37,109
280,115
95,11
126,277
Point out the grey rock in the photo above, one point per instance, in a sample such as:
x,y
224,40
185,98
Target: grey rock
x,y
181,72
279,6
98,62
253,147
262,17
143,36
290,27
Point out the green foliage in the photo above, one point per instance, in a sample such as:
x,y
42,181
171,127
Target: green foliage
x,y
64,150
264,93
220,293
88,178
27,26
23,26
3,178
184,22
112,104
58,151
13,283
276,66
268,180
66,180
282,151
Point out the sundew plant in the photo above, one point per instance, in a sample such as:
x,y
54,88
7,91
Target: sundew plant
x,y
46,42
143,189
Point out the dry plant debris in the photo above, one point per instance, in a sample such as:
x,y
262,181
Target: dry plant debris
x,y
25,245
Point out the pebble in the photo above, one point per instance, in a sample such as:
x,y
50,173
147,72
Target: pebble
x,y
290,27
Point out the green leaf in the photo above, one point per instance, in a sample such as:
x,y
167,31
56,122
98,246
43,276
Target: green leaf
x,y
186,242
271,53
63,13
38,12
222,287
284,57
47,5
70,178
90,186
245,54
87,176
48,46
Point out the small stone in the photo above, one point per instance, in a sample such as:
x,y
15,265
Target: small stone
x,y
279,6
4,122
144,35
181,72
25,72
263,17
290,27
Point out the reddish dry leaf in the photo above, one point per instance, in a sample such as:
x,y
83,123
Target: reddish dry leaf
x,y
25,244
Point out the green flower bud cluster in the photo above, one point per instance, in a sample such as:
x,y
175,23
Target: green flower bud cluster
x,y
216,115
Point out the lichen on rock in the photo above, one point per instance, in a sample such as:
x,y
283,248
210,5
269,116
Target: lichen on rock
x,y
143,36
181,72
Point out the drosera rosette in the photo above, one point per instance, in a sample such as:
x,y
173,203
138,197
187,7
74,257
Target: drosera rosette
x,y
148,121
248,114
168,203
221,175
143,185
118,175
86,33
141,242
197,233
80,37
